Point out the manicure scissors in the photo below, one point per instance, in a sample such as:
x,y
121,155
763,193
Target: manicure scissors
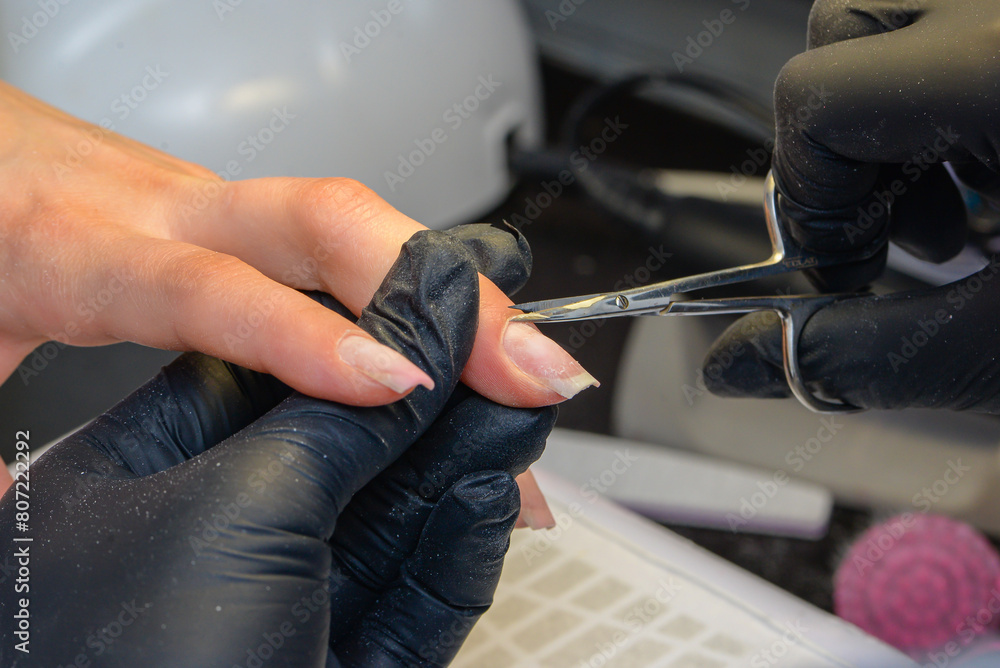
x,y
667,298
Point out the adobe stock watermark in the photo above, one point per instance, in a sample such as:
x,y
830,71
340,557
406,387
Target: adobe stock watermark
x,y
364,35
305,272
247,151
967,631
224,8
926,498
591,491
974,625
721,360
957,298
641,275
32,25
439,650
579,161
208,529
793,633
696,45
248,324
913,169
454,117
565,9
797,459
308,270
759,156
637,618
88,309
924,501
85,485
301,611
102,640
120,108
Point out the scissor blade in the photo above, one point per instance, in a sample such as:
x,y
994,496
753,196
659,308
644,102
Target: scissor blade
x,y
607,305
646,300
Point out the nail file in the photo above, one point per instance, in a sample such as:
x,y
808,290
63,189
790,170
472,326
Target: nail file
x,y
689,489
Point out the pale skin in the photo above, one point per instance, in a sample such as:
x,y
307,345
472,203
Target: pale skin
x,y
183,260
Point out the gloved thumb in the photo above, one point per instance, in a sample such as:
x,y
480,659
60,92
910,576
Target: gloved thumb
x,y
932,348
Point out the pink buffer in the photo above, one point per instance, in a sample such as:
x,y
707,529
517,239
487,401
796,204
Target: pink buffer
x,y
920,581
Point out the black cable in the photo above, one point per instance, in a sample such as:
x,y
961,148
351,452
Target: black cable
x,y
715,89
620,189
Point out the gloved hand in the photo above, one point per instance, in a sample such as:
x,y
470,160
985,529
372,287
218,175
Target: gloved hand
x,y
209,519
886,91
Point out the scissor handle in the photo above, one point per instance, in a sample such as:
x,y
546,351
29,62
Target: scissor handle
x,y
793,323
786,256
789,255
794,312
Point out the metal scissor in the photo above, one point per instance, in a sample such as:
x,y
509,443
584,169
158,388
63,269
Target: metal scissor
x,y
661,299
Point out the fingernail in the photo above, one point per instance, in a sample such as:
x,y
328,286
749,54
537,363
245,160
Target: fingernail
x,y
535,511
544,360
536,518
382,364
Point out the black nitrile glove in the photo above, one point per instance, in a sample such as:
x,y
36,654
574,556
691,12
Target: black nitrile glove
x,y
886,91
931,349
381,526
197,523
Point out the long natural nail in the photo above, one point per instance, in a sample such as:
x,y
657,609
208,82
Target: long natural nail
x,y
544,360
382,364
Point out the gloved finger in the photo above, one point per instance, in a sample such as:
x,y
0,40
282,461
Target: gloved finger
x,y
928,221
383,522
504,256
510,360
193,404
926,349
426,309
927,218
848,107
446,585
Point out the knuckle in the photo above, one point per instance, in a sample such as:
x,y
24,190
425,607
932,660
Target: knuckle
x,y
201,172
341,196
197,276
791,77
337,216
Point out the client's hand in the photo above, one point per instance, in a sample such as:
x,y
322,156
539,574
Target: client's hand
x,y
213,520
